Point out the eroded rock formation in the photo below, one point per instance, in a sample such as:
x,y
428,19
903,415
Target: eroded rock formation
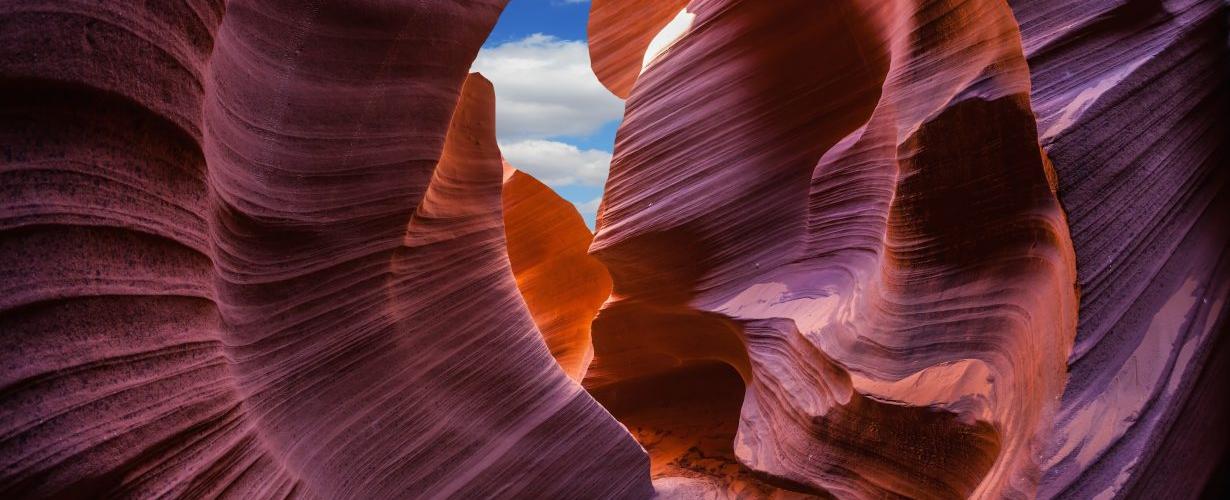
x,y
878,239
903,242
562,285
1132,98
851,248
246,254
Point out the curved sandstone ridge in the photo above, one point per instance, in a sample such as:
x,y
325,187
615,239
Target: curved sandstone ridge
x,y
870,237
1132,98
562,285
620,32
851,248
246,254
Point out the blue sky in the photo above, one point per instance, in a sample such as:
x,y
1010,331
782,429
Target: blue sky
x,y
553,119
562,18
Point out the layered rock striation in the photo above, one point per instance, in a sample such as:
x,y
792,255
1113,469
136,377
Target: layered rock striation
x,y
928,260
869,235
849,248
1132,101
257,250
562,285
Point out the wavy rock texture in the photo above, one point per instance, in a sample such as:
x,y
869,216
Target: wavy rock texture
x,y
246,254
1132,99
620,32
562,285
858,248
872,240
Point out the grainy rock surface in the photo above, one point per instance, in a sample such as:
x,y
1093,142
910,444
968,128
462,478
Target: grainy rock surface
x,y
851,248
845,202
260,254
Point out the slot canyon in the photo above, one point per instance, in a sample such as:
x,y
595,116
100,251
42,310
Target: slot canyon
x,y
844,249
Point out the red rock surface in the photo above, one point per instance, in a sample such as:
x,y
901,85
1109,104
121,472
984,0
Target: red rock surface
x,y
265,264
851,248
562,285
917,260
619,34
869,238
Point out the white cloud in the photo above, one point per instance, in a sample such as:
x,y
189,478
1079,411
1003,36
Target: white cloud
x,y
589,208
589,211
556,163
545,88
669,33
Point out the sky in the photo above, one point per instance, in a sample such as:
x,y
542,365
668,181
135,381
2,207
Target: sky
x,y
554,120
